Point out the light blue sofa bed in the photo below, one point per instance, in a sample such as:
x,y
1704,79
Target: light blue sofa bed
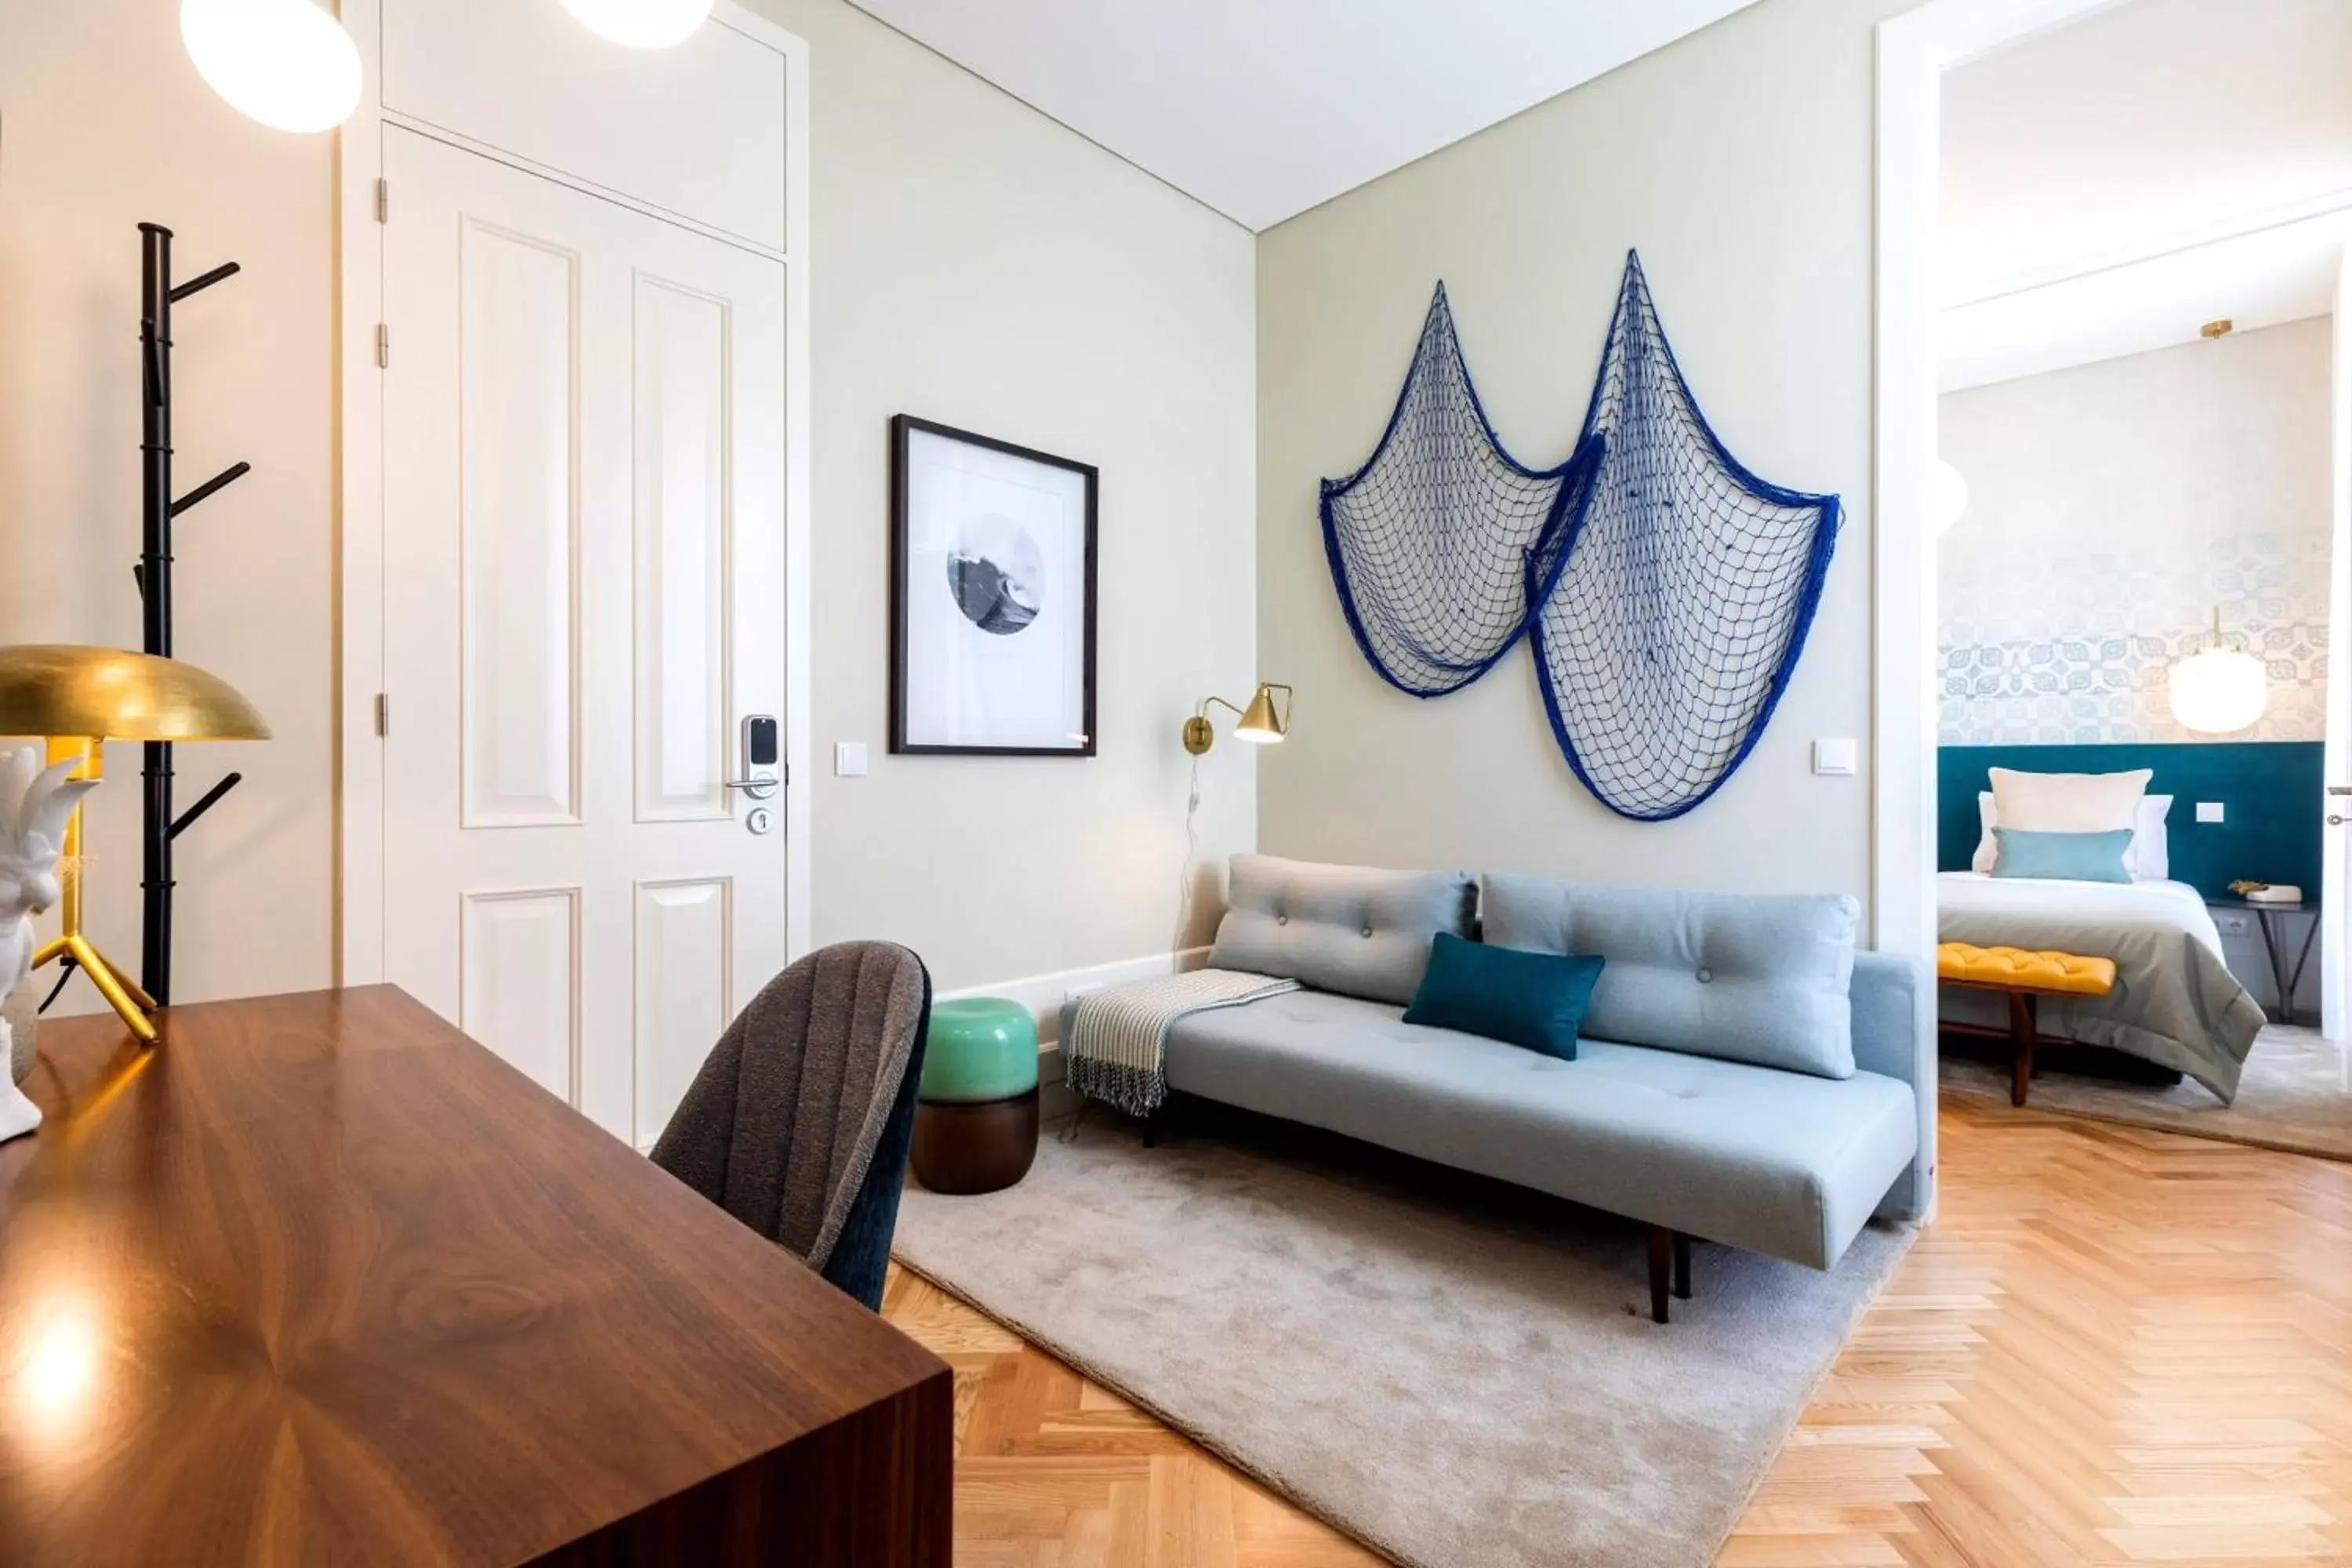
x,y
1745,1076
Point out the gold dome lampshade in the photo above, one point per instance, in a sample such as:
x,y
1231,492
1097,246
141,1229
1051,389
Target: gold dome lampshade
x,y
79,697
112,694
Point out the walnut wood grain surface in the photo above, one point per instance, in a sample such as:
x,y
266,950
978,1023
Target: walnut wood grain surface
x,y
318,1279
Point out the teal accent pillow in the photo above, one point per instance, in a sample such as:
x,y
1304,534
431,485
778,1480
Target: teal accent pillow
x,y
1531,999
2066,856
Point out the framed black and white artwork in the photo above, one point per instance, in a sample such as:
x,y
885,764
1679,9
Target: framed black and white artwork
x,y
991,596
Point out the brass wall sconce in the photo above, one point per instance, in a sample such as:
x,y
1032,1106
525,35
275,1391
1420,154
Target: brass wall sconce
x,y
1260,723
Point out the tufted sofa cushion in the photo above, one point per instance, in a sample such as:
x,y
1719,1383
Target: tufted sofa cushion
x,y
1345,929
1744,977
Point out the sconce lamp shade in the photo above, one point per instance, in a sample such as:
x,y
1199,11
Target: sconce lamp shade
x,y
2218,690
285,63
1260,722
641,24
112,694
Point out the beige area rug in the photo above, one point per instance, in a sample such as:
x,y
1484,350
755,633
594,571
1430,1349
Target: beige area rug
x,y
1457,1372
2291,1097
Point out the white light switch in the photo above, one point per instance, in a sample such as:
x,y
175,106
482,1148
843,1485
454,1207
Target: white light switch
x,y
2209,811
1834,758
849,758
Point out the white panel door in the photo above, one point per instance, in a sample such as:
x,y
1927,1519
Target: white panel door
x,y
583,598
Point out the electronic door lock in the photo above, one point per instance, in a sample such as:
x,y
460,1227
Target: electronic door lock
x,y
762,770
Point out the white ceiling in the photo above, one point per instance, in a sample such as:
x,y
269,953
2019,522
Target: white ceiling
x,y
1262,109
2263,279
2110,186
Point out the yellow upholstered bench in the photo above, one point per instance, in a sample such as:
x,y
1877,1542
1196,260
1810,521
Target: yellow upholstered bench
x,y
2025,977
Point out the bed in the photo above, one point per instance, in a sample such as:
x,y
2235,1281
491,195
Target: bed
x,y
2175,1003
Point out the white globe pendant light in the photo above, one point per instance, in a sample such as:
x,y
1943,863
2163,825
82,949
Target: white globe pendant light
x,y
2218,689
642,24
285,63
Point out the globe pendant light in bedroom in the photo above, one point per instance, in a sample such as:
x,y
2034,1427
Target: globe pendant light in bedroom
x,y
285,63
641,24
2219,689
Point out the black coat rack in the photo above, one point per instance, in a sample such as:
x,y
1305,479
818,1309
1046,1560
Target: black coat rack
x,y
157,295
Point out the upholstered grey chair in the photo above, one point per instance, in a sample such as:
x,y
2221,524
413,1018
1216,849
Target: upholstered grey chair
x,y
798,1124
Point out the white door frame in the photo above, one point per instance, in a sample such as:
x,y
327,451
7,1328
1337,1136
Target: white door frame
x,y
360,827
1915,49
2335,1005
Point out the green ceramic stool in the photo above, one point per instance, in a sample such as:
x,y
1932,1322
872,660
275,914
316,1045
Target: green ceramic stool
x,y
976,1112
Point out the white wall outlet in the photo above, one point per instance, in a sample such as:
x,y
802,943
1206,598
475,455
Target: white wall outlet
x,y
849,758
2209,811
1075,991
2232,924
1834,759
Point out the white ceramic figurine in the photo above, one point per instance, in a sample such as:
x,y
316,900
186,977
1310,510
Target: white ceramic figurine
x,y
35,805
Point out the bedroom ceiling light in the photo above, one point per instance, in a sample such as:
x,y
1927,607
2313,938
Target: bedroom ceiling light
x,y
285,63
641,24
2219,689
1948,497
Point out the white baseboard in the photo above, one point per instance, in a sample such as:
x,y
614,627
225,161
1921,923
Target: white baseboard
x,y
1044,994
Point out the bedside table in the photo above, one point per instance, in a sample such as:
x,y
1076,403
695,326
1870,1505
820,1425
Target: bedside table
x,y
2271,920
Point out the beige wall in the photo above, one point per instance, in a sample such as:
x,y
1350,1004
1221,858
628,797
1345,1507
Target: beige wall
x,y
974,263
977,264
104,123
1739,162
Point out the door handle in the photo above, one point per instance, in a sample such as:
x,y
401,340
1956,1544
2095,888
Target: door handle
x,y
758,789
2339,789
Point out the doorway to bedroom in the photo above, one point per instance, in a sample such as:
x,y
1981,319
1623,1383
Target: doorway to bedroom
x,y
2135,499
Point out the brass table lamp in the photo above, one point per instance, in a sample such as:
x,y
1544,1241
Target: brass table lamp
x,y
77,699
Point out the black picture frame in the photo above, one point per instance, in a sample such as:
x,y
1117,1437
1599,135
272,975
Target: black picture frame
x,y
903,427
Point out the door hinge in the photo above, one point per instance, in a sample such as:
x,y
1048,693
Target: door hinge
x,y
383,714
382,346
384,201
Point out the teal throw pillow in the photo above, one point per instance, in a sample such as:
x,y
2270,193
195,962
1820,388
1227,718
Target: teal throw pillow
x,y
1531,999
2065,857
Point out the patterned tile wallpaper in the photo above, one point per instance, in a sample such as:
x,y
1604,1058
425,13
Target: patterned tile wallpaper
x,y
2079,572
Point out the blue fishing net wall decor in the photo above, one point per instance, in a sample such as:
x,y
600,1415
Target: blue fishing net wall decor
x,y
1433,540
1665,590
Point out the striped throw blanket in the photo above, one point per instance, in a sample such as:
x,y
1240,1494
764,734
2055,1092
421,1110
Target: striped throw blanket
x,y
1118,1047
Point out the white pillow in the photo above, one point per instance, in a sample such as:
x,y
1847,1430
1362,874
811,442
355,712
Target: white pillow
x,y
2069,803
2149,858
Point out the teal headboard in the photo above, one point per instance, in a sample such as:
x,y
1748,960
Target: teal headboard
x,y
2271,792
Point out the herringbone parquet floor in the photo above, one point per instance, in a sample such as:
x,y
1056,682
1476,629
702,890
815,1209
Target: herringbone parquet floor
x,y
2114,1347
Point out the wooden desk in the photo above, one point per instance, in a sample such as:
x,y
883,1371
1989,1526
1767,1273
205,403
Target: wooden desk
x,y
318,1279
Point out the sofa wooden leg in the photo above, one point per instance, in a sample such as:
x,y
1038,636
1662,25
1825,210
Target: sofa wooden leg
x,y
1662,1253
2022,1028
1682,1266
